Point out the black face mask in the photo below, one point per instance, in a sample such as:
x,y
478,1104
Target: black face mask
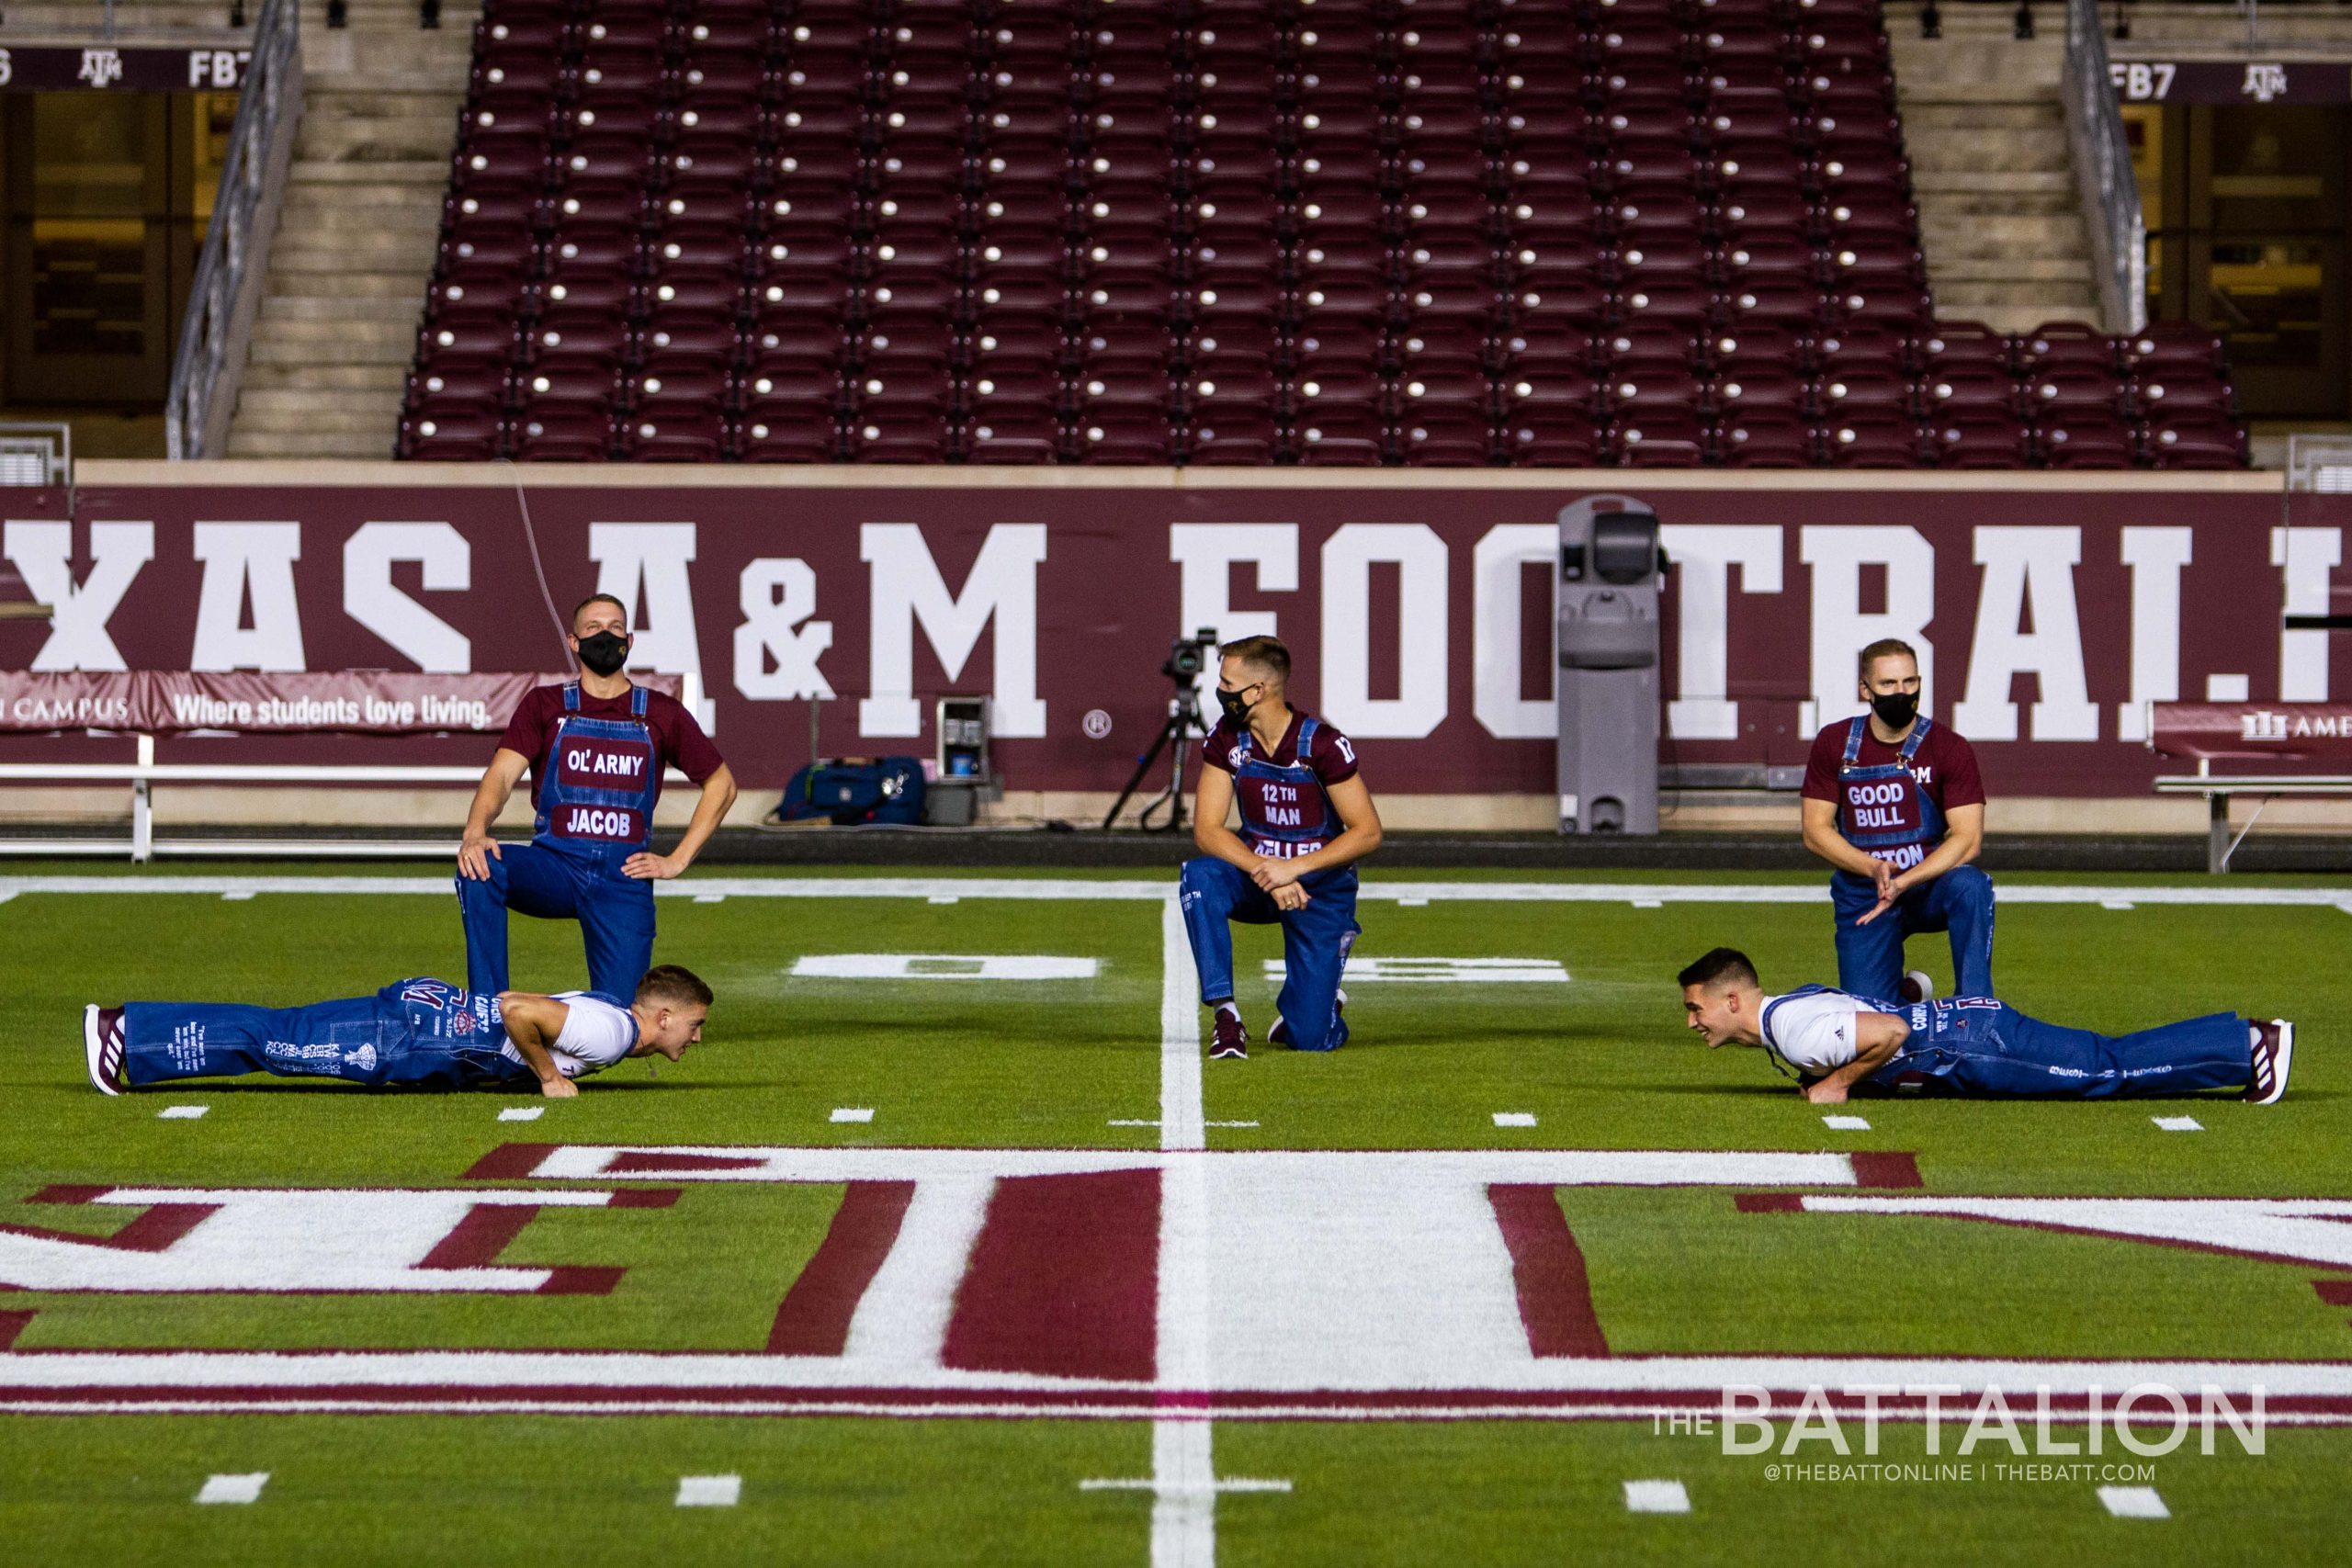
x,y
1237,711
604,653
1895,709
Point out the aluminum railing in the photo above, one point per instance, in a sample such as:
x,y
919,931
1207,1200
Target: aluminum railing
x,y
226,296
2102,158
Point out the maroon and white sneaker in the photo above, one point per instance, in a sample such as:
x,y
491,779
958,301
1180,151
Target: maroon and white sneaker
x,y
2274,1053
1918,985
1232,1040
102,1046
1280,1034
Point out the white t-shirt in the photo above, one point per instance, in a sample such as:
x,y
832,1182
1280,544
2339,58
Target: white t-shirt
x,y
594,1035
1815,1033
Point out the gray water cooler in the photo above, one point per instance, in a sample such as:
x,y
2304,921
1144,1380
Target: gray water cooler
x,y
1611,579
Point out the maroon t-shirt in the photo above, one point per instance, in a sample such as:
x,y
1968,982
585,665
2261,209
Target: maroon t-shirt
x,y
677,739
1945,765
1275,818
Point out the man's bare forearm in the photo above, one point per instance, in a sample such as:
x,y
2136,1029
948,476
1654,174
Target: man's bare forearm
x,y
1216,838
717,799
1346,849
1832,846
490,798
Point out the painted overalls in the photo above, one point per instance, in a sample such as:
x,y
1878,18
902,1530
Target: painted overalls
x,y
1286,813
597,786
1882,811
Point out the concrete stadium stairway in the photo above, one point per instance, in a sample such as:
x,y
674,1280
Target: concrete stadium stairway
x,y
1985,130
356,236
135,21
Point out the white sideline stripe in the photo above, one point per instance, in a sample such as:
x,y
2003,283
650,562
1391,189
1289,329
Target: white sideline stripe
x,y
1553,1168
2133,1503
1137,1121
1413,901
1656,1498
1514,1119
522,1113
1846,1123
235,898
707,898
1664,1382
233,1488
2178,1123
853,1114
1065,888
181,1113
1645,904
1223,1483
2115,904
943,966
946,898
709,1491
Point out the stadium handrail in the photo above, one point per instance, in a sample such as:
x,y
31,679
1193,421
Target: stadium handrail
x,y
2297,735
225,297
2102,159
148,707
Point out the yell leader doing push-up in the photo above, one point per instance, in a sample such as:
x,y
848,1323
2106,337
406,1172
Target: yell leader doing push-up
x,y
1833,1040
411,1034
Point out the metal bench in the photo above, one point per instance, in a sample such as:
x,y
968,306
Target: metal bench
x,y
2308,735
143,770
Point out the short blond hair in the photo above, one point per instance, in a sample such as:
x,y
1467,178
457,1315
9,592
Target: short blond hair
x,y
1266,653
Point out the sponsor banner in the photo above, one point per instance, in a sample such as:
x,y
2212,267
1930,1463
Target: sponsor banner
x,y
2048,614
358,702
104,68
2233,81
2278,732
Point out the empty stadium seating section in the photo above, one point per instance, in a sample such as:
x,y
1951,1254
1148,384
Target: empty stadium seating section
x,y
1331,233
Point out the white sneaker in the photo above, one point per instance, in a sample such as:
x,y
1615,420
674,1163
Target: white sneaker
x,y
2274,1053
1917,987
102,1046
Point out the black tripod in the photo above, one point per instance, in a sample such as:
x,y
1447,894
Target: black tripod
x,y
1176,737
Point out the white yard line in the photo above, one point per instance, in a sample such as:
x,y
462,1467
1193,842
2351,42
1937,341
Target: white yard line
x,y
233,1488
1656,1498
1051,889
1183,1475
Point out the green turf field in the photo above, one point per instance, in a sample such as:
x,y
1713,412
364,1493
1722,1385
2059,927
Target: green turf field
x,y
1326,1282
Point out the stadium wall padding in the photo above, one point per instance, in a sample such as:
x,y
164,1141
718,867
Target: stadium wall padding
x,y
2048,607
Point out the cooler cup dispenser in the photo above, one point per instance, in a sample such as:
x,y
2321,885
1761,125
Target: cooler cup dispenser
x,y
1612,580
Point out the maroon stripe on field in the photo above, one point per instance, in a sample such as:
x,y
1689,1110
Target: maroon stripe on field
x,y
2334,1293
152,1231
1548,1269
509,1162
487,1230
653,1162
11,1325
481,1236
575,1279
645,1198
68,1194
1064,1279
814,1318
1769,1203
1876,1169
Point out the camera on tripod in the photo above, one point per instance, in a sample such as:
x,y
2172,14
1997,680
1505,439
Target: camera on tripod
x,y
1187,656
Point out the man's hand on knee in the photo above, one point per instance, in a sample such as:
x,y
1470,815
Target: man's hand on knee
x,y
474,855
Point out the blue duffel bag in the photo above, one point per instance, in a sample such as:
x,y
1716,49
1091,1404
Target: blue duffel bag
x,y
853,790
